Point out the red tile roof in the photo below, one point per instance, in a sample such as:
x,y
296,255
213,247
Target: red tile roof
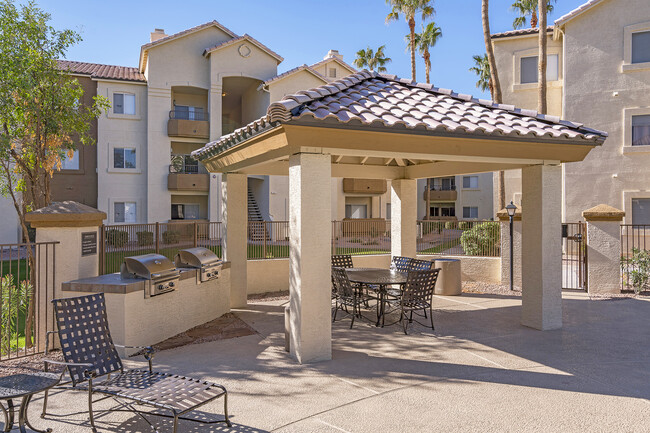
x,y
95,70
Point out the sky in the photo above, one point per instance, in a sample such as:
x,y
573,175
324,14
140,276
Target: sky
x,y
302,31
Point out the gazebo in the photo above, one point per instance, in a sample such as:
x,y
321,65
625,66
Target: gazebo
x,y
369,125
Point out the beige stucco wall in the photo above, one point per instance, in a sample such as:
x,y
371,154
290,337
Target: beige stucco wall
x,y
122,130
485,269
299,81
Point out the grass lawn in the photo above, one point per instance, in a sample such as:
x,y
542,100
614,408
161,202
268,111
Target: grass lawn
x,y
440,248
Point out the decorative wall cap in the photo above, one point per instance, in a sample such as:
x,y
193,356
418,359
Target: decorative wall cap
x,y
603,212
502,215
66,214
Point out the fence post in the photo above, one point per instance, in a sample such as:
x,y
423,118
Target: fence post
x,y
157,238
264,222
102,250
196,235
334,237
603,248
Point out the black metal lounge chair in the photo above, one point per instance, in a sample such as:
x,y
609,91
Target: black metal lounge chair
x,y
89,354
418,296
347,296
419,265
342,261
401,263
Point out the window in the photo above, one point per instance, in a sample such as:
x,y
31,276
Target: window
x,y
123,103
641,47
470,182
470,212
68,163
641,130
528,72
444,184
188,112
641,211
185,211
356,211
442,210
387,211
123,157
124,212
332,73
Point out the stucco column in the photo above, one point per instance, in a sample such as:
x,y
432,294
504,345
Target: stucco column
x,y
403,213
215,103
310,235
541,247
234,208
75,227
504,221
603,248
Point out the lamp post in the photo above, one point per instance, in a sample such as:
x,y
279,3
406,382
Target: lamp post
x,y
511,209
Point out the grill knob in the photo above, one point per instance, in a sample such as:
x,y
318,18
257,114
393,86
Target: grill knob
x,y
160,286
171,284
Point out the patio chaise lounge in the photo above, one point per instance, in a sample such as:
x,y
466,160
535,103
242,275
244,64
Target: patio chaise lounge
x,y
89,353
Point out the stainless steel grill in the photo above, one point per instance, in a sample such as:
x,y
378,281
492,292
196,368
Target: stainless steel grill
x,y
158,270
203,259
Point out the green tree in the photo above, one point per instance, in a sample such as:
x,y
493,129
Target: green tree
x,y
409,9
528,8
425,40
372,59
41,117
482,70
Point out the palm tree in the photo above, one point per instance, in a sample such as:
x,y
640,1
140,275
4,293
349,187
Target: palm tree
x,y
482,70
525,8
541,73
372,59
409,9
425,40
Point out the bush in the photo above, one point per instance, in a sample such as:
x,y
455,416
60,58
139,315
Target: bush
x,y
171,237
464,225
638,267
432,226
482,239
116,237
450,225
144,238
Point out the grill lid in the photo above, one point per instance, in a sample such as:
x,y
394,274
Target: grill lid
x,y
149,266
198,257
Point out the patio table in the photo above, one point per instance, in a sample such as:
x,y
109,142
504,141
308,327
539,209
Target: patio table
x,y
377,279
25,386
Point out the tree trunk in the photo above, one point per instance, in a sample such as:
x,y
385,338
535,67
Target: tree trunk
x,y
502,189
494,75
427,65
541,97
427,213
412,27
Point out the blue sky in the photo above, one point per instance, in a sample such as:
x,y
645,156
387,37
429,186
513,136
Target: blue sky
x,y
302,31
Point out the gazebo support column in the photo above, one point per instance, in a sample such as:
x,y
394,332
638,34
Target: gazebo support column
x,y
234,190
403,214
542,247
310,234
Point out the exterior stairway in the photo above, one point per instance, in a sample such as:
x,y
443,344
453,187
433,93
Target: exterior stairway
x,y
256,225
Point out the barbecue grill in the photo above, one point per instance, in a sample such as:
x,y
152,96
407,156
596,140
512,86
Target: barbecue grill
x,y
158,270
204,260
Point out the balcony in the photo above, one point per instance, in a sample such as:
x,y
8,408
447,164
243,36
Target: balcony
x,y
441,194
186,174
190,124
364,186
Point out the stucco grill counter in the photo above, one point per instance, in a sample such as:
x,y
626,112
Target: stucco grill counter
x,y
139,319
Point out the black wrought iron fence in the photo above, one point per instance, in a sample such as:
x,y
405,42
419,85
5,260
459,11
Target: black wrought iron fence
x,y
27,283
635,257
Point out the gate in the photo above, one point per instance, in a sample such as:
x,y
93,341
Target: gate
x,y
574,256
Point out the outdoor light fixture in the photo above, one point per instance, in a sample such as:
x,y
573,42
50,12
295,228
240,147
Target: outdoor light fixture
x,y
511,209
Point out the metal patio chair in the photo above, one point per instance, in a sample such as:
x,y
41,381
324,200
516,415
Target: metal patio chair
x,y
342,261
419,265
401,263
418,296
89,354
347,296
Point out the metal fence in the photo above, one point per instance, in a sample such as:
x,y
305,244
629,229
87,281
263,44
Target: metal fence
x,y
461,238
27,281
635,257
361,236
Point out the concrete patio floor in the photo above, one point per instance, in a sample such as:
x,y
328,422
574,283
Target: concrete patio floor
x,y
479,371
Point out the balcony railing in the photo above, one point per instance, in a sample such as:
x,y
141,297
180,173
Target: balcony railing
x,y
189,115
186,164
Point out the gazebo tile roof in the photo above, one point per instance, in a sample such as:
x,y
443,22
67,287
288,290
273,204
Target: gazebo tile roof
x,y
383,101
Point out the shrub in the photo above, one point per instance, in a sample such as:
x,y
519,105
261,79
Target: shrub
x,y
144,238
116,237
171,237
450,225
15,299
432,226
464,225
481,239
638,267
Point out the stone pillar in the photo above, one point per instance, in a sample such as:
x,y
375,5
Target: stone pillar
x,y
310,235
542,247
603,248
75,227
404,213
504,222
234,207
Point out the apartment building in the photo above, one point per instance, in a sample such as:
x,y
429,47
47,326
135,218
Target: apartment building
x,y
189,88
598,74
457,197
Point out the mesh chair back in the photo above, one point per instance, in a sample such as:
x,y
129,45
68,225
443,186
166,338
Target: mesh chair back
x,y
342,261
419,287
419,265
84,335
401,263
342,283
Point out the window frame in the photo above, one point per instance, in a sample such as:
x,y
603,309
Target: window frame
x,y
124,94
329,72
628,31
532,52
124,201
365,206
124,149
77,155
111,158
470,212
628,114
470,182
632,200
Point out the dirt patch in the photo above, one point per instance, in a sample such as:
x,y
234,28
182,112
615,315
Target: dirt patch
x,y
225,327
271,296
30,364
